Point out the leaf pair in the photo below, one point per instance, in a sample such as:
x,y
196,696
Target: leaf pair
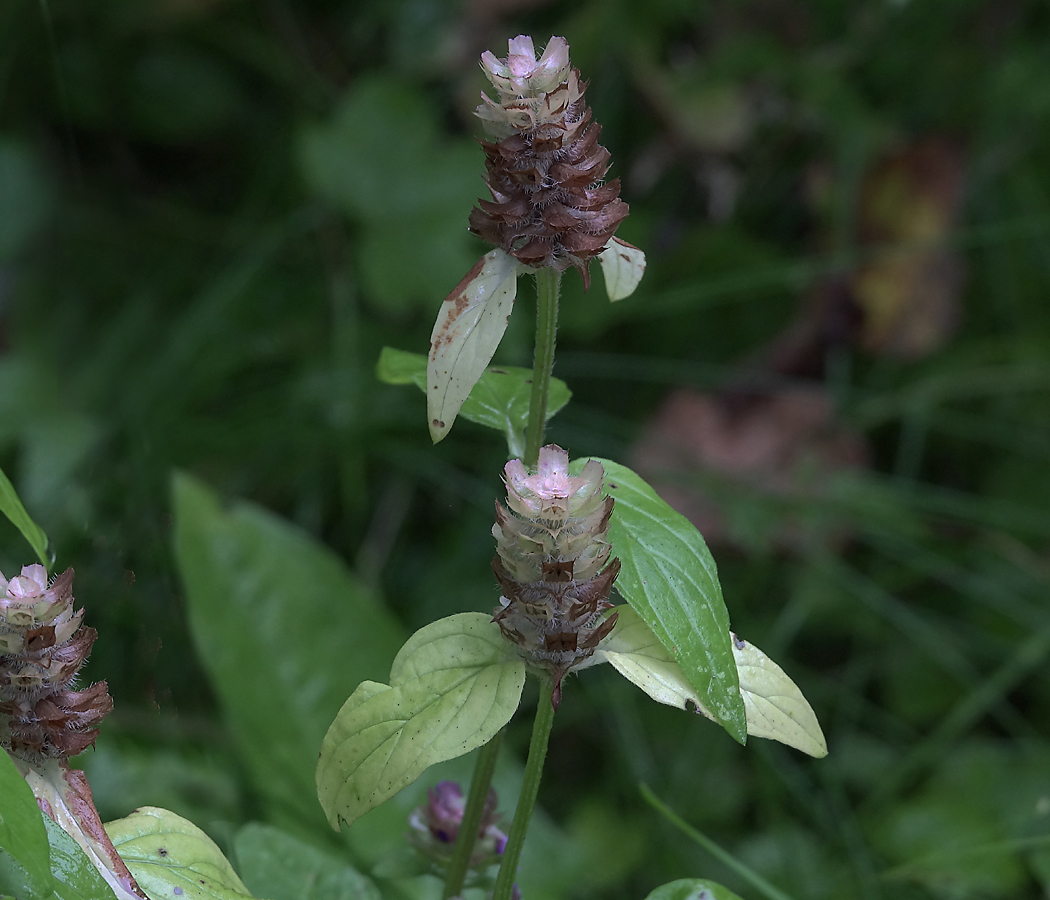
x,y
473,317
499,399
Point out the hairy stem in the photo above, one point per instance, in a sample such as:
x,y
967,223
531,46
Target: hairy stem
x,y
468,830
541,732
548,286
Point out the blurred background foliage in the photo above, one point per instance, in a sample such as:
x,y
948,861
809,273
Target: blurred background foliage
x,y
214,213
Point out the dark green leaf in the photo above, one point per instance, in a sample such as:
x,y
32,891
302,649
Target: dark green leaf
x,y
12,507
668,575
75,876
22,835
278,866
284,629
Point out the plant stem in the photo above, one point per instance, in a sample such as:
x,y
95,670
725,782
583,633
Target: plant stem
x,y
541,732
548,286
468,829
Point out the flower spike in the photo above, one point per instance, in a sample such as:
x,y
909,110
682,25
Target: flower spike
x,y
553,564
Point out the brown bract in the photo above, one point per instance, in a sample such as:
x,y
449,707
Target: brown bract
x,y
553,564
42,647
550,206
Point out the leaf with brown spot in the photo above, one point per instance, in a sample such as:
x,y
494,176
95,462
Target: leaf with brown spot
x,y
469,327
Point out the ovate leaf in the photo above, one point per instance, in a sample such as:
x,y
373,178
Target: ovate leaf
x,y
499,400
469,327
454,684
12,507
280,867
285,630
774,706
623,266
668,575
22,835
172,859
692,889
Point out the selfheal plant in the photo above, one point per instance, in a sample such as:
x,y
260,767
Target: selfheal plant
x,y
569,531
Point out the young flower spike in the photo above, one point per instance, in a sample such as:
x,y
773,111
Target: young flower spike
x,y
553,563
545,169
550,209
42,647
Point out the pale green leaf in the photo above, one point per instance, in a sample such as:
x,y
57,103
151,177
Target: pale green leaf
x,y
774,706
75,875
469,327
172,859
22,835
499,400
12,507
692,889
281,867
623,266
668,575
454,684
285,631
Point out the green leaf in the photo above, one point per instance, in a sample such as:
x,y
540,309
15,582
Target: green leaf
x,y
499,400
75,876
172,859
454,684
774,706
668,575
285,631
468,329
692,889
12,507
282,867
623,266
22,835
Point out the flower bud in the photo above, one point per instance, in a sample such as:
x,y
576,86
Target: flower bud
x,y
42,647
545,170
553,562
435,827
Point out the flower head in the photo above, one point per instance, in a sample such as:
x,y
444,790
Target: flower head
x,y
435,826
550,205
42,647
553,562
